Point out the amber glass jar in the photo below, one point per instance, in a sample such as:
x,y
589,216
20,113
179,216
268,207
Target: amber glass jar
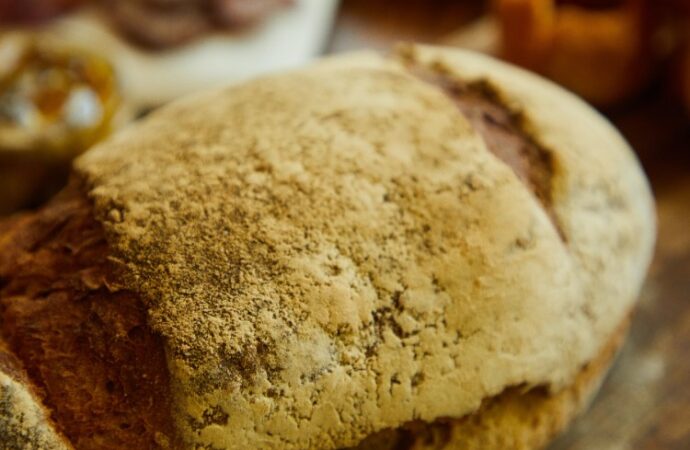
x,y
55,102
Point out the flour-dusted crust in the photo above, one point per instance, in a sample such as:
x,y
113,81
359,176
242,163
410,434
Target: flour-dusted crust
x,y
516,419
333,252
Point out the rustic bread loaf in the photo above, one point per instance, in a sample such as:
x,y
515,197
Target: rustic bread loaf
x,y
429,250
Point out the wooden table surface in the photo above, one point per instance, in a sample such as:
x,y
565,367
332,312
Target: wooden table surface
x,y
645,402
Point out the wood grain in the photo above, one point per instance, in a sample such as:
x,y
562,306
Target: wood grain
x,y
645,402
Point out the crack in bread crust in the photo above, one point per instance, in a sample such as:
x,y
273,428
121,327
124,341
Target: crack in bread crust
x,y
502,128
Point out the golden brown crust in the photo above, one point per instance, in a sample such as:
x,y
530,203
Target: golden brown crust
x,y
10,365
83,340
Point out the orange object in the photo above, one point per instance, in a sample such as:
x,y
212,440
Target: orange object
x,y
601,50
527,28
55,101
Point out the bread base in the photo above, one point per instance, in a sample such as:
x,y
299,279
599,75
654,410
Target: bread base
x,y
517,419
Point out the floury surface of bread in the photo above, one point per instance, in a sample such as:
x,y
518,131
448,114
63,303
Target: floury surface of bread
x,y
334,252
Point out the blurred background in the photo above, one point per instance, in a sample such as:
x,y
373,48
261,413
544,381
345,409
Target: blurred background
x,y
74,71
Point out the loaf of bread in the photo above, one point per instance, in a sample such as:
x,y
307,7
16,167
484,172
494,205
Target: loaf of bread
x,y
426,250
